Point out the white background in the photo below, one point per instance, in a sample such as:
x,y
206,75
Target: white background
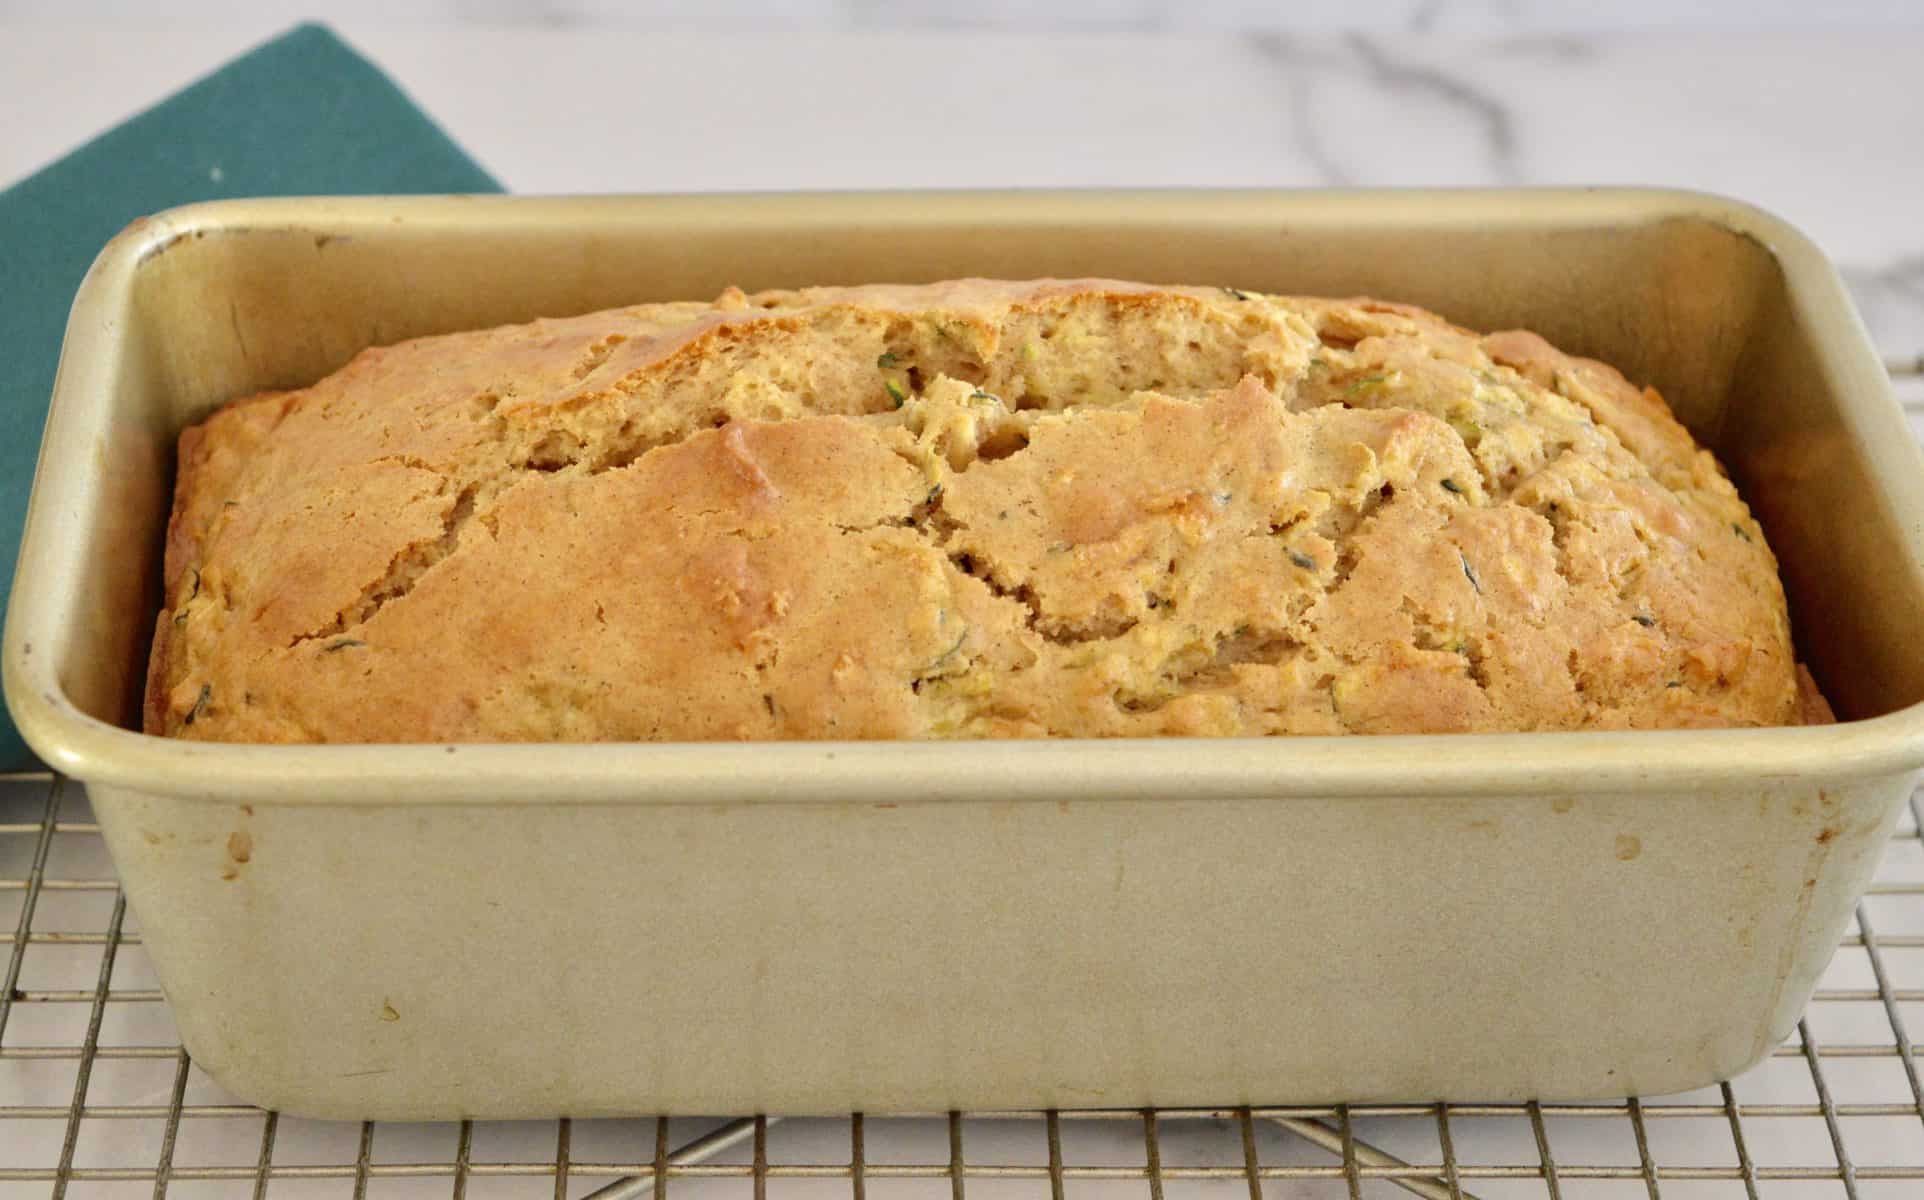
x,y
1812,110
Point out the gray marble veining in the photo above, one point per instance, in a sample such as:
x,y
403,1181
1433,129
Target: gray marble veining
x,y
1309,68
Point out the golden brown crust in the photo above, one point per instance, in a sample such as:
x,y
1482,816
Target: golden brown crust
x,y
969,509
208,459
1812,708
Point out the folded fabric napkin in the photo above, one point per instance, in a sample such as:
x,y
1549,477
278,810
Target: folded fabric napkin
x,y
302,115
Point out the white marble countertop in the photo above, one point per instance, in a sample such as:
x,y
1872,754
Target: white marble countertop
x,y
1826,130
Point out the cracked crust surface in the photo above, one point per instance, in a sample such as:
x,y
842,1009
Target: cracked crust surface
x,y
968,509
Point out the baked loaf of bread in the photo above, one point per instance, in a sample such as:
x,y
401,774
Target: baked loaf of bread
x,y
961,510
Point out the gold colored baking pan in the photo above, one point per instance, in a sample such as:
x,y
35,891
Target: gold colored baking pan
x,y
526,930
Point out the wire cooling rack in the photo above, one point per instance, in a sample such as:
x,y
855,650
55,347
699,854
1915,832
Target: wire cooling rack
x,y
98,1099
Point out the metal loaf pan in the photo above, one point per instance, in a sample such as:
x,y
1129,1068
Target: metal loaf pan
x,y
525,930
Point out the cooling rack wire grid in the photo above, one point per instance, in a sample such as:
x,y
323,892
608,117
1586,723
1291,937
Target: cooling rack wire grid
x,y
98,1099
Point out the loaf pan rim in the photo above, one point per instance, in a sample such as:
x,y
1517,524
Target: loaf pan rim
x,y
95,751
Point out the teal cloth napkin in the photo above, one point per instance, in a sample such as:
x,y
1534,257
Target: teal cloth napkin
x,y
302,115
